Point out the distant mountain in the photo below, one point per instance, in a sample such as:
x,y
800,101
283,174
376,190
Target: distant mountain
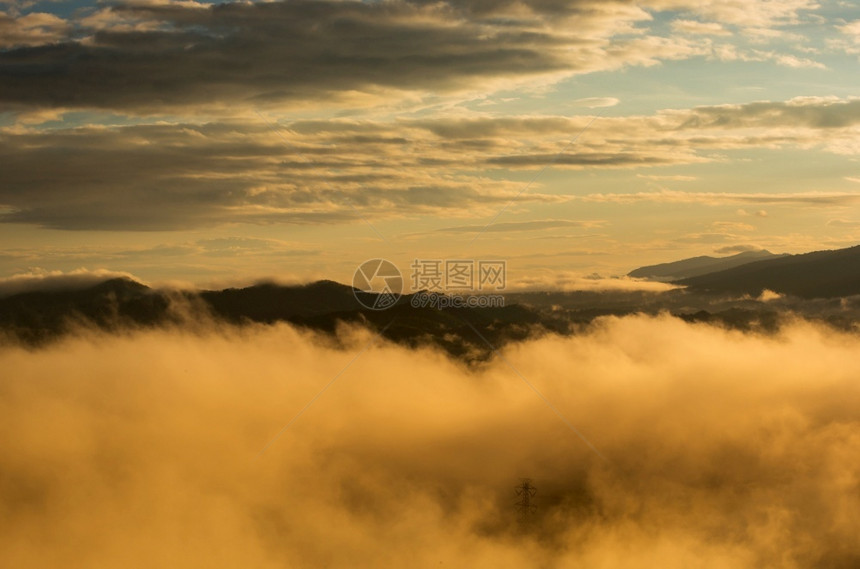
x,y
272,302
822,274
817,282
38,317
693,267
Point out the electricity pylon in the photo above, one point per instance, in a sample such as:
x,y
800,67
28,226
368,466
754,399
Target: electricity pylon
x,y
525,506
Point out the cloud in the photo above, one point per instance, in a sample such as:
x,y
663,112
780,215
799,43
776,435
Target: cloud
x,y
514,226
806,112
789,60
768,14
842,223
214,56
768,295
596,102
734,249
42,280
851,29
614,160
161,58
719,198
699,28
667,178
543,280
35,28
731,52
228,255
731,226
708,237
744,213
164,176
739,450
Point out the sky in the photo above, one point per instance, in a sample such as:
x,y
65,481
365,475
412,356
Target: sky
x,y
214,144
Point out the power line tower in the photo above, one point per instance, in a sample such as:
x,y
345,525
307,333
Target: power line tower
x,y
525,506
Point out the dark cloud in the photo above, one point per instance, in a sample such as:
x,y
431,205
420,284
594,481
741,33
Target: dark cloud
x,y
715,198
159,177
172,176
585,159
150,57
809,112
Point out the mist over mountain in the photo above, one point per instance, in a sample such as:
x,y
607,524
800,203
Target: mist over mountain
x,y
46,314
695,266
39,316
822,286
820,274
660,429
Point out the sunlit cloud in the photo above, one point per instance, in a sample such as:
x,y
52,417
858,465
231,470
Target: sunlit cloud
x,y
667,177
516,226
715,198
734,249
33,29
340,171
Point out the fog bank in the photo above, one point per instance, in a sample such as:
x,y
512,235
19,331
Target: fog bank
x,y
722,449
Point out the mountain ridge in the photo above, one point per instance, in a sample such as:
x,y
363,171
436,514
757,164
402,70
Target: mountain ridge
x,y
695,266
817,274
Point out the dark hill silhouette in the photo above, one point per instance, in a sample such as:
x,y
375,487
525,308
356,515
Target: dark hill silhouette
x,y
40,316
270,302
696,266
36,316
821,274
